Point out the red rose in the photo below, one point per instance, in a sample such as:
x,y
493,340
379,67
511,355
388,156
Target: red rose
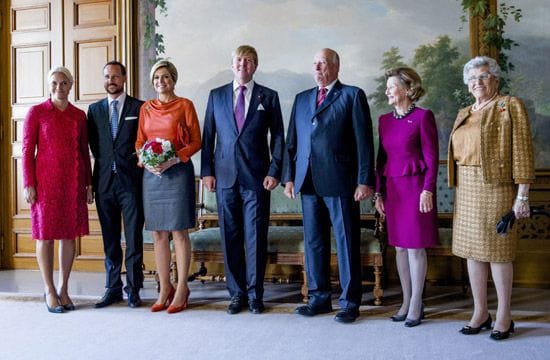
x,y
157,148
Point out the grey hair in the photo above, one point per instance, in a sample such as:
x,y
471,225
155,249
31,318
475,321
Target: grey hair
x,y
480,61
61,70
168,65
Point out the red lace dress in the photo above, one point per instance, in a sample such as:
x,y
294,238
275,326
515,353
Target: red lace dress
x,y
56,161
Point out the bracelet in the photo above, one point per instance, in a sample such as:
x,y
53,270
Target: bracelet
x,y
427,192
522,198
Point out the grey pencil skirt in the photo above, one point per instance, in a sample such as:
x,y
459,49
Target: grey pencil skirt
x,y
169,200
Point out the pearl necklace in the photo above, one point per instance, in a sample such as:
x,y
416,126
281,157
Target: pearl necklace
x,y
409,110
475,107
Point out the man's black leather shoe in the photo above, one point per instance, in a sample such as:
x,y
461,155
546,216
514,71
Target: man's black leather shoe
x,y
134,300
308,310
347,315
256,306
108,299
236,305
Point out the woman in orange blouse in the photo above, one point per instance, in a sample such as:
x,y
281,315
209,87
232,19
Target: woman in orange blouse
x,y
169,188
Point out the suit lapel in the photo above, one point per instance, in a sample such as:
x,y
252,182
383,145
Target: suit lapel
x,y
255,100
331,97
105,119
228,101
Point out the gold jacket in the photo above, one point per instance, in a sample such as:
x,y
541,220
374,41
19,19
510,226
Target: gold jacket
x,y
506,144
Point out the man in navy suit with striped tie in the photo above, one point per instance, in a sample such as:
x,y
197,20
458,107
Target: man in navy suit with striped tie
x,y
112,130
241,160
329,159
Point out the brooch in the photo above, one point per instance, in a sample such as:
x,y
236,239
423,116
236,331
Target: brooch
x,y
501,106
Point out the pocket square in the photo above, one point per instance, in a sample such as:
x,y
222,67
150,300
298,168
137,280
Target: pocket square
x,y
130,117
260,107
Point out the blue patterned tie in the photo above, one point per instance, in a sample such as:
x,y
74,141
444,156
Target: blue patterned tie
x,y
239,108
114,123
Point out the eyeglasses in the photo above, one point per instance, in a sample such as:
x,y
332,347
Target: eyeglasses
x,y
483,77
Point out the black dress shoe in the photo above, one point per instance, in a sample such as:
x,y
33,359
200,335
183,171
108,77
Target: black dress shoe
x,y
413,322
256,306
236,305
347,315
108,299
468,330
501,335
134,300
309,310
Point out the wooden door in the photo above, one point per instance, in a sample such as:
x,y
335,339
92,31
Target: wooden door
x,y
82,35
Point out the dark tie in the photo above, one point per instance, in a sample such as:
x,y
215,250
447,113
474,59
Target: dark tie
x,y
114,124
239,108
322,96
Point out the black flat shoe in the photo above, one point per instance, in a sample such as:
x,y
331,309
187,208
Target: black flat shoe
x,y
236,305
108,299
468,330
54,309
134,300
256,306
501,335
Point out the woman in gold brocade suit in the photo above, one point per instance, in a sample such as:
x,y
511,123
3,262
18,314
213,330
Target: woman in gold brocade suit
x,y
491,164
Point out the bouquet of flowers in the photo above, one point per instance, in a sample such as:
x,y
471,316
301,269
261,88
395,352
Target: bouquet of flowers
x,y
156,152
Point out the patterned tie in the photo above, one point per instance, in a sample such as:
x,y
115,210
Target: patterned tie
x,y
114,124
114,118
239,108
322,96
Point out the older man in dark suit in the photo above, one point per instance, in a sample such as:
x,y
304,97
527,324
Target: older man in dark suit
x,y
329,159
243,126
117,184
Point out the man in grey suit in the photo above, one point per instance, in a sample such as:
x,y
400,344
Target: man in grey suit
x,y
242,154
117,184
329,159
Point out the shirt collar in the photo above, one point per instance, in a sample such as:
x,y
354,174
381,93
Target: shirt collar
x,y
249,85
120,99
329,86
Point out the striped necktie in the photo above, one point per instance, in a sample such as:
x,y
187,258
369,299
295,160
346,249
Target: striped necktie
x,y
239,108
114,125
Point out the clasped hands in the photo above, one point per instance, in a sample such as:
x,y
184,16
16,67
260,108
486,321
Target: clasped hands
x,y
159,169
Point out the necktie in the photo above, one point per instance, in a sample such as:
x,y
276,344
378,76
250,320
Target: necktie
x,y
114,124
322,96
239,108
114,118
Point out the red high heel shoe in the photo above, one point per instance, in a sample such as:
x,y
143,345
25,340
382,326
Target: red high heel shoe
x,y
159,307
172,309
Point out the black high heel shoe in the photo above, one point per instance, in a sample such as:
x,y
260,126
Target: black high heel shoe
x,y
397,318
468,330
54,309
415,322
501,335
67,307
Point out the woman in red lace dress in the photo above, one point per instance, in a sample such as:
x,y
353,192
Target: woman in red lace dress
x,y
57,179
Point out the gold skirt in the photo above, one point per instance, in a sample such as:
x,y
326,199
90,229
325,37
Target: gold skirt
x,y
478,208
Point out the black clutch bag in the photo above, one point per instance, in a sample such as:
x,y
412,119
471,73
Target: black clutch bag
x,y
507,221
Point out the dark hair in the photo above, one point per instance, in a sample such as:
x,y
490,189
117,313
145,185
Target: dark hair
x,y
114,62
410,79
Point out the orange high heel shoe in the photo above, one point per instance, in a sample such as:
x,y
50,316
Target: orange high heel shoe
x,y
159,307
175,309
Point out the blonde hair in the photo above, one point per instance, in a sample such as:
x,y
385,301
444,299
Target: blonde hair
x,y
61,70
410,79
166,64
246,50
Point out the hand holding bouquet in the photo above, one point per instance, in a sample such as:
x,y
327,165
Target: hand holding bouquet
x,y
157,152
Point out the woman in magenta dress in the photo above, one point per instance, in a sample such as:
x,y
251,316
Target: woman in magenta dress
x,y
406,183
57,179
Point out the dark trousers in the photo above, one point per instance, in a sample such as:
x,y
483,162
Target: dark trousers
x,y
244,217
319,212
112,206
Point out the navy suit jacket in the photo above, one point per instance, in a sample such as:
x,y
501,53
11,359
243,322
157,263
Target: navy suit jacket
x,y
334,139
121,149
246,156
